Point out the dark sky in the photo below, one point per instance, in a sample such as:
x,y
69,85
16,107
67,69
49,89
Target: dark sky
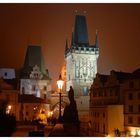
x,y
49,24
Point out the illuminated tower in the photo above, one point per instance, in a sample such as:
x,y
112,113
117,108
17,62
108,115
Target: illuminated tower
x,y
81,64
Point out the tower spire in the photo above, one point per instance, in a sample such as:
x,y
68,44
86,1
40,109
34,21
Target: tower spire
x,y
66,47
96,40
72,40
80,31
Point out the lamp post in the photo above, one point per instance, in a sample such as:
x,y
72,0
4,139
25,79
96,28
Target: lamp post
x,y
60,85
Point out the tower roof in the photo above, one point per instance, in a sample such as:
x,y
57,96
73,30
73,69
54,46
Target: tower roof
x,y
33,58
80,31
79,40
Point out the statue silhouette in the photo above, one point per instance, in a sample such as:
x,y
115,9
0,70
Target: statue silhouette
x,y
70,116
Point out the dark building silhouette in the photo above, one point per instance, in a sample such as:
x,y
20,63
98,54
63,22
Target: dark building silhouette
x,y
70,117
7,121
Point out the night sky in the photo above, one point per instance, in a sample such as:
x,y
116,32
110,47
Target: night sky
x,y
50,24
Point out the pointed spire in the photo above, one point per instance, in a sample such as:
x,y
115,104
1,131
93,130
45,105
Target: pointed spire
x,y
72,40
96,40
80,31
66,47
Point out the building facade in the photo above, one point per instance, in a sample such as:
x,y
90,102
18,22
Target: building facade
x,y
132,104
81,65
107,104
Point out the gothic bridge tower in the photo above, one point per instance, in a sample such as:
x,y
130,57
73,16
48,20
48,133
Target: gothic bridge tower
x,y
81,65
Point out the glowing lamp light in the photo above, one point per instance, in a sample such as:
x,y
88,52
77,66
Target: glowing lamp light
x,y
50,113
133,132
9,107
138,132
60,83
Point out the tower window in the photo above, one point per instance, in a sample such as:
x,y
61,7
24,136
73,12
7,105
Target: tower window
x,y
85,91
33,87
5,74
23,90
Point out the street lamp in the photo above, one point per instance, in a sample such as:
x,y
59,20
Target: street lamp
x,y
8,110
60,85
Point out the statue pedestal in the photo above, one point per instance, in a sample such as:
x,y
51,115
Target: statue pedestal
x,y
71,129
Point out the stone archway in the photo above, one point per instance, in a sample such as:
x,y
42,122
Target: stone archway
x,y
55,109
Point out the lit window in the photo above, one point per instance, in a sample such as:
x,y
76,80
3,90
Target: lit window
x,y
85,91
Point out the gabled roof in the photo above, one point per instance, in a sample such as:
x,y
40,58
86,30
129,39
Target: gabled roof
x,y
137,72
34,57
121,75
103,77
